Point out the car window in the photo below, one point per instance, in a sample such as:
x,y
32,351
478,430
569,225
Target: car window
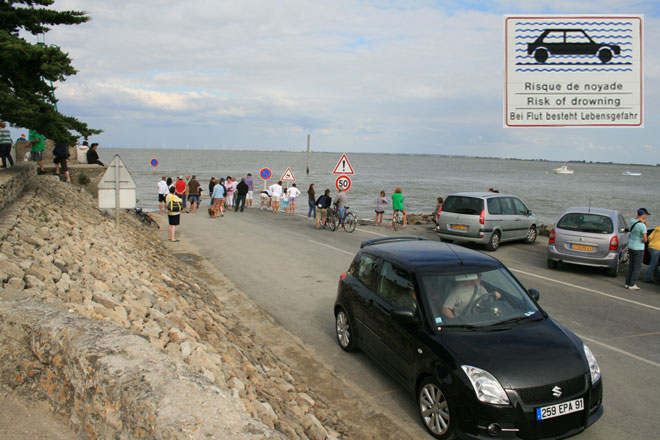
x,y
463,205
366,270
395,286
494,206
586,222
507,206
554,37
576,37
519,207
622,222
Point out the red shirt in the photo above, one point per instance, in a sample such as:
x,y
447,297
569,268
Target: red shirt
x,y
180,186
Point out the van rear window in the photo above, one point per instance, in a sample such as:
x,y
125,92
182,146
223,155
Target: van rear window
x,y
583,222
463,205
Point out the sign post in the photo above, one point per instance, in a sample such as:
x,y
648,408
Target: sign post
x,y
265,173
116,189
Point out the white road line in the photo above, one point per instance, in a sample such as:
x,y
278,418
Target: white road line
x,y
332,247
371,232
648,306
618,350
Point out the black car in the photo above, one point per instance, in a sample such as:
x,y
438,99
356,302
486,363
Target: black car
x,y
459,331
569,42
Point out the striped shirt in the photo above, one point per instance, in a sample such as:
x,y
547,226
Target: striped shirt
x,y
5,137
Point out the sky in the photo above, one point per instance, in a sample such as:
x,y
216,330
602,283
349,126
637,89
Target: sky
x,y
382,76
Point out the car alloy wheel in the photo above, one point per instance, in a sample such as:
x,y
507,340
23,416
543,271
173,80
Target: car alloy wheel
x,y
434,410
494,242
344,333
531,235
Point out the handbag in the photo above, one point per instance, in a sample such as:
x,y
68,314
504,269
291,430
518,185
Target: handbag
x,y
173,206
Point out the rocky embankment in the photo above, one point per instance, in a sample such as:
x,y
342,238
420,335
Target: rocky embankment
x,y
124,342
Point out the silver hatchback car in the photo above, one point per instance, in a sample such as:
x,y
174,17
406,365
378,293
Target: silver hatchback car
x,y
590,237
486,218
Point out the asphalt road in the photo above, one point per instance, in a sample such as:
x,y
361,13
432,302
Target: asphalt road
x,y
291,270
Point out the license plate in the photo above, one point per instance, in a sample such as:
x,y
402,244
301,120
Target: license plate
x,y
459,227
582,247
559,409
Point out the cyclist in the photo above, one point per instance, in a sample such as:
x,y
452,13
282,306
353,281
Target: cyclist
x,y
397,205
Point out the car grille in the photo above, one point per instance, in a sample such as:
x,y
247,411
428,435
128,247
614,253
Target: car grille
x,y
543,394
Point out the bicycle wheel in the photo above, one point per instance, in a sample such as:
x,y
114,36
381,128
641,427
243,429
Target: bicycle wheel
x,y
350,222
332,221
395,221
152,222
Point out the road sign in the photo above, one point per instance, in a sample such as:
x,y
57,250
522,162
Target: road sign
x,y
154,162
288,176
570,70
343,183
343,166
116,189
265,173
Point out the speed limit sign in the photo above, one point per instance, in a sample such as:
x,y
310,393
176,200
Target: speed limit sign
x,y
343,182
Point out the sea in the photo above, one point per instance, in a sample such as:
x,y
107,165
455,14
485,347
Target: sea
x,y
422,178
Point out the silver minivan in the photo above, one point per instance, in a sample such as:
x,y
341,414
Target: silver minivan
x,y
486,218
590,237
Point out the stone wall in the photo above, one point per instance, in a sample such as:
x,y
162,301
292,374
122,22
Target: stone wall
x,y
13,180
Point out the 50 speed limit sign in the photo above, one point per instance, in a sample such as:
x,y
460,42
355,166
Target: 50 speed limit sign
x,y
343,182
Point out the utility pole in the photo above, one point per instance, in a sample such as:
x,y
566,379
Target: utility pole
x,y
308,153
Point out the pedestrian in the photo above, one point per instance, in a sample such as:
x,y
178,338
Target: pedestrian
x,y
193,194
285,201
276,195
436,214
264,196
323,203
163,191
22,138
241,194
170,184
180,188
230,186
174,208
5,145
293,194
381,201
61,153
312,201
212,184
397,205
653,272
93,156
186,193
250,194
218,196
341,201
36,151
636,242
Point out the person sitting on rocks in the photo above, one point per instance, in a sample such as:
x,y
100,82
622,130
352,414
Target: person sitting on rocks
x,y
93,156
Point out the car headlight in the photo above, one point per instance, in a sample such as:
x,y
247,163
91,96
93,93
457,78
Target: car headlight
x,y
487,388
594,369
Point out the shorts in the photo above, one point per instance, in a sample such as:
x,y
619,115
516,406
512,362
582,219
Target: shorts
x,y
276,199
36,155
230,199
161,197
193,198
324,213
249,195
62,162
174,219
379,212
292,200
264,197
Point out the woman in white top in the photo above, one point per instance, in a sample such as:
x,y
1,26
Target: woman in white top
x,y
293,193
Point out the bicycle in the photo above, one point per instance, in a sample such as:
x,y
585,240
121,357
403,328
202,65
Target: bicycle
x,y
145,217
397,220
349,222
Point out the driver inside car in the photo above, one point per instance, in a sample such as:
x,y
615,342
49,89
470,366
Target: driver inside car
x,y
467,291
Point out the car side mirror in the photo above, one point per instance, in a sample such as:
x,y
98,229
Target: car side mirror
x,y
404,315
529,212
535,294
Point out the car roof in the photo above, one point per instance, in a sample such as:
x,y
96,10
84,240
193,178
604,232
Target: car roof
x,y
585,210
481,195
432,256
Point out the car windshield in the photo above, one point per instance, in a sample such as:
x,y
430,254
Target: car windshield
x,y
585,222
491,298
463,205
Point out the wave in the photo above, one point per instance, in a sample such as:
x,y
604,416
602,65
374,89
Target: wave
x,y
576,23
573,56
541,29
576,70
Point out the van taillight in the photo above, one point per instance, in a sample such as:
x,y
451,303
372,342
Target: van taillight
x,y
342,276
552,236
482,217
614,243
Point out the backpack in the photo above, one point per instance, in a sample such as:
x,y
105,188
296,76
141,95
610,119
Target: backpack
x,y
173,206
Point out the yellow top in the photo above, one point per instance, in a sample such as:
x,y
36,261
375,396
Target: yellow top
x,y
654,239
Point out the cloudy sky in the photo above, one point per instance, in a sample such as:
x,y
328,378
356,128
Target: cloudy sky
x,y
395,76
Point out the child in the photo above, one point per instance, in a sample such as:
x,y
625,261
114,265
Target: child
x,y
285,202
436,214
381,201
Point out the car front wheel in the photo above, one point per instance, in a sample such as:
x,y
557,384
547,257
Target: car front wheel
x,y
604,55
434,410
344,331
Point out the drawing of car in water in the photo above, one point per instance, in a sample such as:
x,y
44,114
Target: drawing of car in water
x,y
569,42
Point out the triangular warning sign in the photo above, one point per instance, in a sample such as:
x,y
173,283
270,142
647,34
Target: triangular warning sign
x,y
288,176
343,166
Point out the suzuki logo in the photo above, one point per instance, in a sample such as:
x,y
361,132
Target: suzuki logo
x,y
556,391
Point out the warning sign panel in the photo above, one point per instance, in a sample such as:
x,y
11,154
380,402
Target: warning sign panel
x,y
343,166
288,176
569,70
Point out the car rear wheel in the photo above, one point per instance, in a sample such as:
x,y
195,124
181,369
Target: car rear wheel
x,y
494,242
605,55
434,410
531,235
552,264
614,271
344,331
541,55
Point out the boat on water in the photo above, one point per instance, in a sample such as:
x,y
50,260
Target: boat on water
x,y
632,173
562,170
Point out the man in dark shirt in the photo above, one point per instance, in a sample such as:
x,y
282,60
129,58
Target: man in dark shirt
x,y
193,194
93,156
323,203
241,190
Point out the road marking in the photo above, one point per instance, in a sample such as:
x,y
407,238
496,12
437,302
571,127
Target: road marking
x,y
618,350
375,396
640,335
371,232
334,248
588,290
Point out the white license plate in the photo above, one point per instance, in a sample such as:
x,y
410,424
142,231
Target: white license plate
x,y
559,409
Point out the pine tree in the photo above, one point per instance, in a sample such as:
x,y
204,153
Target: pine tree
x,y
27,71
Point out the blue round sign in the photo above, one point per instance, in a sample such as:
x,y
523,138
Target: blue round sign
x,y
154,162
265,173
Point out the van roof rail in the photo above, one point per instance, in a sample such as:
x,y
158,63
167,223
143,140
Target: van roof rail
x,y
388,239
